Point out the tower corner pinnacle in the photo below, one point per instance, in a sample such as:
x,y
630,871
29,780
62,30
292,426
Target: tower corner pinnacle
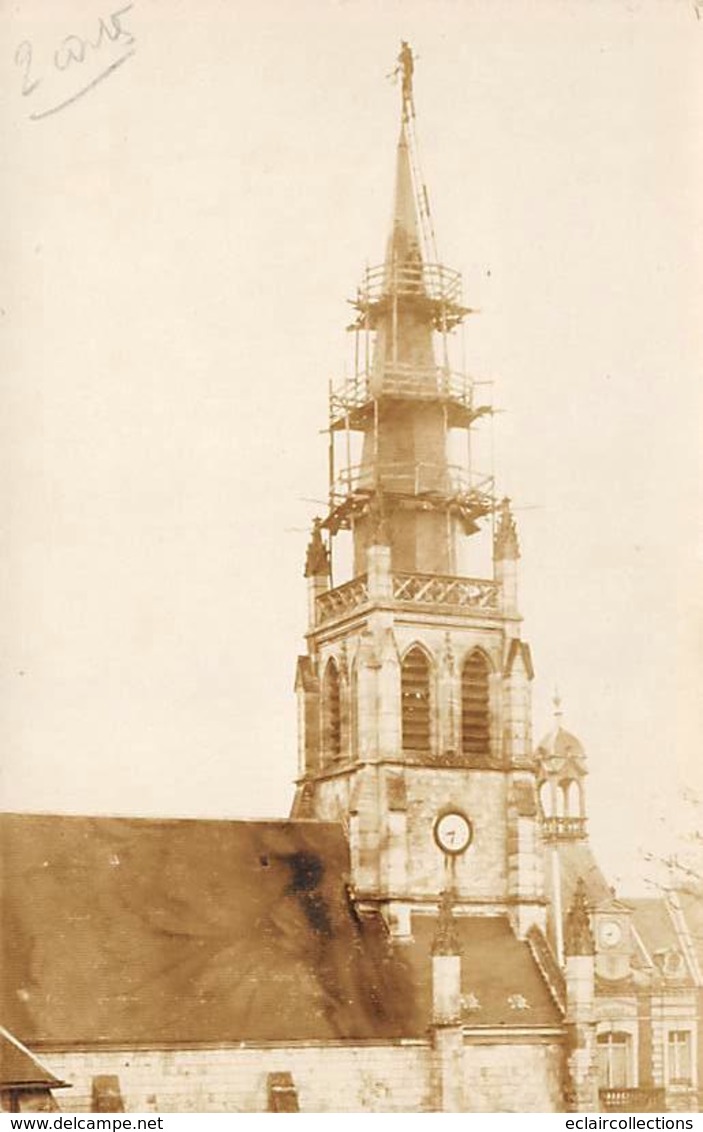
x,y
578,937
317,558
506,544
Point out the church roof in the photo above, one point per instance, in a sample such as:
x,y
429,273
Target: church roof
x,y
20,1069
159,932
500,982
577,860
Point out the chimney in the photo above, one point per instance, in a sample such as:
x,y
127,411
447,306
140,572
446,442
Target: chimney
x,y
447,1030
579,950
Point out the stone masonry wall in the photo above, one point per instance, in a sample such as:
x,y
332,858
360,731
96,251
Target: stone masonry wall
x,y
393,1077
370,1078
513,1078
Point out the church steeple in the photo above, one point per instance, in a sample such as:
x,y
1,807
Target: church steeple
x,y
415,693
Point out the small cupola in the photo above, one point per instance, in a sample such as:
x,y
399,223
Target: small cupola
x,y
561,774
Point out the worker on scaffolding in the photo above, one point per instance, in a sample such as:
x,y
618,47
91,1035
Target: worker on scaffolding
x,y
405,68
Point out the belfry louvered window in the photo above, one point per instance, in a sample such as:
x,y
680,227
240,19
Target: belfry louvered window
x,y
415,694
475,708
332,715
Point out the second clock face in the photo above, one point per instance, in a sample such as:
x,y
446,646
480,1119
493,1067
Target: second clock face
x,y
452,831
610,933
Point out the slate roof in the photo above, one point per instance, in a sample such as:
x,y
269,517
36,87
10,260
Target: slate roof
x,y
576,859
158,932
501,984
19,1069
692,907
654,924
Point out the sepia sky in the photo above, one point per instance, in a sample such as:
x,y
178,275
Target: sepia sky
x,y
178,245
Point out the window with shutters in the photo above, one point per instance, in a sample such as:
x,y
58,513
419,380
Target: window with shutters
x,y
475,708
415,697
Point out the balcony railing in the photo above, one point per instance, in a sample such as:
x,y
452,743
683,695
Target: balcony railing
x,y
426,590
343,599
563,829
437,589
632,1100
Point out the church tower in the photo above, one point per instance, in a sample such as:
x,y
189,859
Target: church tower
x,y
414,695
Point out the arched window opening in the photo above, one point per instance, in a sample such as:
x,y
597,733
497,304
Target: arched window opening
x,y
572,805
415,698
545,798
614,1060
332,712
475,707
561,801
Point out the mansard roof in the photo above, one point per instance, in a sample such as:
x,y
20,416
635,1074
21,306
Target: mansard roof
x,y
661,935
159,932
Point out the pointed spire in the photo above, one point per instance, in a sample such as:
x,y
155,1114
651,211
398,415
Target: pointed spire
x,y
404,244
506,544
317,559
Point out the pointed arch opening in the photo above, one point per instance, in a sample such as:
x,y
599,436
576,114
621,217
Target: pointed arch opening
x,y
415,701
354,710
476,707
332,711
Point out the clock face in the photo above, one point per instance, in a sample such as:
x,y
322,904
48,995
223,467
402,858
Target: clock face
x,y
610,933
452,831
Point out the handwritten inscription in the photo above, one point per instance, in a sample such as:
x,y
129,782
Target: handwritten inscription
x,y
72,55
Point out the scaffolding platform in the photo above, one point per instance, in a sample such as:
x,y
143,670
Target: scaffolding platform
x,y
435,290
420,486
352,402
